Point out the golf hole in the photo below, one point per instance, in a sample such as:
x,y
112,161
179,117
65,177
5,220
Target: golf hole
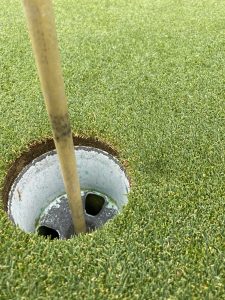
x,y
37,201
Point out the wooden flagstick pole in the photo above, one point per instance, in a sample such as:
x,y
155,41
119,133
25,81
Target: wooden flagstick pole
x,y
41,24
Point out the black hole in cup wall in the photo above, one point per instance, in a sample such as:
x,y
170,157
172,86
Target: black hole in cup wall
x,y
94,204
48,232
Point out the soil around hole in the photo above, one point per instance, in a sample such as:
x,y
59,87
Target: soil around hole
x,y
38,148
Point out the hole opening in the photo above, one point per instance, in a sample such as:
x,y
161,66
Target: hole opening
x,y
35,179
48,232
94,204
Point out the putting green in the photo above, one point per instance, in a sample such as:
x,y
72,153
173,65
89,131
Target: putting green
x,y
148,78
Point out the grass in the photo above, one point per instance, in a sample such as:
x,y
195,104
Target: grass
x,y
147,77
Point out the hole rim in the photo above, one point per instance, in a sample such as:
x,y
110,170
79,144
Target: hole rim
x,y
36,148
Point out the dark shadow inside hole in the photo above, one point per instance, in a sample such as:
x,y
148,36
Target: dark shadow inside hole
x,y
48,232
93,204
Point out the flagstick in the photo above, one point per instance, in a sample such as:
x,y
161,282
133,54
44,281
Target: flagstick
x,y
41,24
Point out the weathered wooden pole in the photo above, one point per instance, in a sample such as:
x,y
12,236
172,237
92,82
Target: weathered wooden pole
x,y
41,24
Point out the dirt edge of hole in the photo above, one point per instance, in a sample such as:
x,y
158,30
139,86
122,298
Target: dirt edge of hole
x,y
37,148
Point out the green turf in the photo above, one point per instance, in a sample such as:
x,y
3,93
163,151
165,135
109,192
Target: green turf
x,y
147,77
